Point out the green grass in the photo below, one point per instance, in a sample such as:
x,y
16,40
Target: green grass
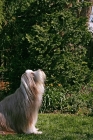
x,y
59,127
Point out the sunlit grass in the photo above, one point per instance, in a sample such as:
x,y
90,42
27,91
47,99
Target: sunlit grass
x,y
59,127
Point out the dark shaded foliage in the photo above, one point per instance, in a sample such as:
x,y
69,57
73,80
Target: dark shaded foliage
x,y
46,35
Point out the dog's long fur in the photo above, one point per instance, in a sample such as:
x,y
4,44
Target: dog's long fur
x,y
19,111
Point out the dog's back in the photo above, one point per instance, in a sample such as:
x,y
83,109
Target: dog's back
x,y
5,110
11,111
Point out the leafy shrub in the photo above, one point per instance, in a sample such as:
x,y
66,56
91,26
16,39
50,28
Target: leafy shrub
x,y
56,99
48,35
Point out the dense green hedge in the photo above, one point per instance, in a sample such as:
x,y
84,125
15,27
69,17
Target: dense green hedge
x,y
48,35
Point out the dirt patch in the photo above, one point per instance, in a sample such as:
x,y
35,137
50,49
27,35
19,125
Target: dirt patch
x,y
4,85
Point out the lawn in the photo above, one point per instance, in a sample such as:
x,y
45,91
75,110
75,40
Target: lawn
x,y
59,127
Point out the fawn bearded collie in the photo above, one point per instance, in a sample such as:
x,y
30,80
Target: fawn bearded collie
x,y
19,111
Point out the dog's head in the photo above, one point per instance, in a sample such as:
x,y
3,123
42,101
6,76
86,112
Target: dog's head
x,y
32,79
38,76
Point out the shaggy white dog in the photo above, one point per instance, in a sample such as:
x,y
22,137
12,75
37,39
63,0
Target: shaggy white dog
x,y
19,111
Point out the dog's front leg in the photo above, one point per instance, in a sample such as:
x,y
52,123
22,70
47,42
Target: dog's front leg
x,y
32,130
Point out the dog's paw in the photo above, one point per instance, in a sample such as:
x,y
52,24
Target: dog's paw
x,y
33,130
38,132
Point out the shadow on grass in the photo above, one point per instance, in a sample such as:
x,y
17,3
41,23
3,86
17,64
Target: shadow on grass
x,y
89,136
67,138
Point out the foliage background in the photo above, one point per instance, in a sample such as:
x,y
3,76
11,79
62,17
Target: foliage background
x,y
53,36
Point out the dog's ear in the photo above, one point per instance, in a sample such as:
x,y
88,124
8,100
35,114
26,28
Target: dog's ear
x,y
30,73
33,76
